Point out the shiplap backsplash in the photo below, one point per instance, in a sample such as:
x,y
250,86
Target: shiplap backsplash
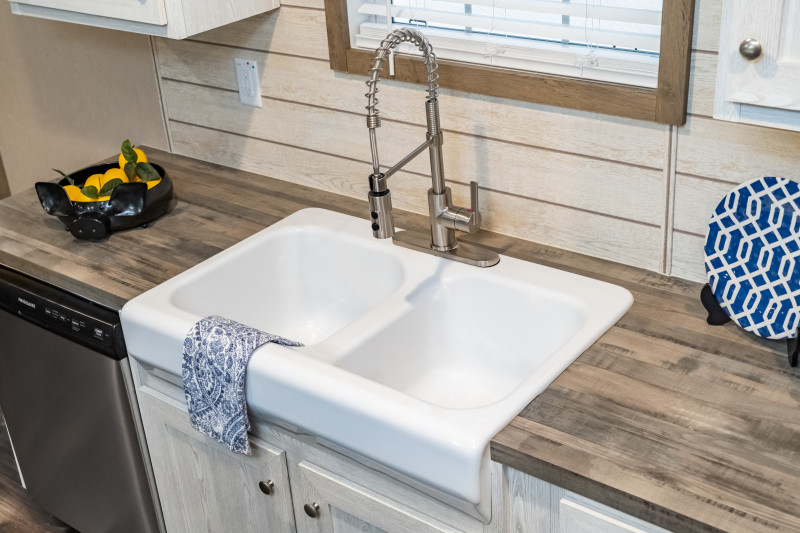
x,y
634,192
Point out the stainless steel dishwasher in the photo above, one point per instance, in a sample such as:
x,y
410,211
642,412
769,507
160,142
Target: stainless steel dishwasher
x,y
66,394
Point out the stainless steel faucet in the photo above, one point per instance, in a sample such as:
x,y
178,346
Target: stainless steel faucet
x,y
445,218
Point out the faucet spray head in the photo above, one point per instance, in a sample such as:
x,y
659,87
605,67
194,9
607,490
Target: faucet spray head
x,y
380,207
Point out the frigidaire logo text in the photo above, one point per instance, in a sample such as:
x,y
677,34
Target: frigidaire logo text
x,y
26,302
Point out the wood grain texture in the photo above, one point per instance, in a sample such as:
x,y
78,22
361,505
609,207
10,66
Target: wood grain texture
x,y
376,513
375,489
580,516
666,105
760,92
528,502
232,205
313,4
702,81
559,158
695,201
629,242
573,93
147,11
187,18
706,27
408,504
687,257
347,523
665,418
194,475
714,156
562,179
168,18
677,19
288,30
736,153
84,19
338,33
312,82
701,420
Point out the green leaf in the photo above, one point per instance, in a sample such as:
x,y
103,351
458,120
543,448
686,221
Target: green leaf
x,y
130,170
66,176
91,192
109,186
128,152
146,172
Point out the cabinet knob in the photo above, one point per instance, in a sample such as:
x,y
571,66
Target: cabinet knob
x,y
312,509
750,49
267,487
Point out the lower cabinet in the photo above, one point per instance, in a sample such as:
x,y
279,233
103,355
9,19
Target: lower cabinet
x,y
581,515
203,486
294,482
334,504
534,505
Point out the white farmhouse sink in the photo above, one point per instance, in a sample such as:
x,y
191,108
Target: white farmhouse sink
x,y
413,361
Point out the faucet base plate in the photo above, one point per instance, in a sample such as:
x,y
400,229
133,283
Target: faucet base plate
x,y
463,253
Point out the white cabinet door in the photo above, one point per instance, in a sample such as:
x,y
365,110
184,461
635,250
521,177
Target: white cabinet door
x,y
174,19
535,506
205,487
765,90
147,11
340,506
580,515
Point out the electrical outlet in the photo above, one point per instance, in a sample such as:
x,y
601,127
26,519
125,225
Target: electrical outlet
x,y
249,82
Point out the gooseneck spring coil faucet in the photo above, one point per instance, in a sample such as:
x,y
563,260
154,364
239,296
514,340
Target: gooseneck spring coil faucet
x,y
445,218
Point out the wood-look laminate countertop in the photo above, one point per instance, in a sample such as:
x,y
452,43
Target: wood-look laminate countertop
x,y
685,425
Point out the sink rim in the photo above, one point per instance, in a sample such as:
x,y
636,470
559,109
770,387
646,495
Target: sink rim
x,y
457,437
289,384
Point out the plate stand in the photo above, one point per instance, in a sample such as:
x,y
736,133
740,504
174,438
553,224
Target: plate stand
x,y
717,317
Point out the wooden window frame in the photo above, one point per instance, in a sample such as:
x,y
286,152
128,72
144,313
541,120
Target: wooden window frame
x,y
665,104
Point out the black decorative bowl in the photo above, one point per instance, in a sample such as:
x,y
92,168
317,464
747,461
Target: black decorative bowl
x,y
130,204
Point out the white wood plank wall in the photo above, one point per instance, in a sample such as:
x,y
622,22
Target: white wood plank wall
x,y
600,185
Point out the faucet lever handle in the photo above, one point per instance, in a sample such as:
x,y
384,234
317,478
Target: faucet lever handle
x,y
473,196
473,205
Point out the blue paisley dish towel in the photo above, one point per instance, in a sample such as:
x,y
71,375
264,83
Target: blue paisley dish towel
x,y
215,356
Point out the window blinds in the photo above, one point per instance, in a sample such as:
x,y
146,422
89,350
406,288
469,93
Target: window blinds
x,y
606,40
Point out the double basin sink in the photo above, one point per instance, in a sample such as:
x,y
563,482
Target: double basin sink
x,y
413,361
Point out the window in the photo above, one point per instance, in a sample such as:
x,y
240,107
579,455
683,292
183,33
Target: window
x,y
591,39
620,57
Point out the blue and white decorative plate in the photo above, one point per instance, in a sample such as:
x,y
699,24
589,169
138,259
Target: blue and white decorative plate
x,y
751,254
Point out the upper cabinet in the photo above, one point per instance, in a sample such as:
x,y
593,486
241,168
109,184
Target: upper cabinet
x,y
175,19
758,77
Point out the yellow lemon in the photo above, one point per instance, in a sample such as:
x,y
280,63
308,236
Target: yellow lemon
x,y
114,173
104,198
73,191
94,179
151,184
80,197
142,158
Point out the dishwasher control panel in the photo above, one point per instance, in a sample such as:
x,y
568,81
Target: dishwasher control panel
x,y
61,312
62,317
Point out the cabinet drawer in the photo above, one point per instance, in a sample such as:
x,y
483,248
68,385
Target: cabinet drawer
x,y
345,507
147,11
577,515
